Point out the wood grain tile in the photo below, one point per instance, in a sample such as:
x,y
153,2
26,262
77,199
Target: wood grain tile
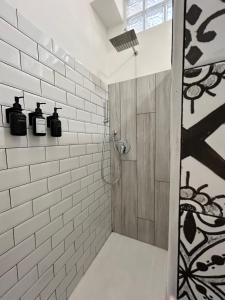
x,y
128,116
129,198
163,87
146,165
114,111
162,214
146,231
146,94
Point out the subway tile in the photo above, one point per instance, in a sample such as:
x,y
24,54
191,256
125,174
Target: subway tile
x,y
57,152
46,232
18,157
8,94
13,256
9,54
95,79
64,83
8,280
29,227
63,55
53,92
61,289
3,164
46,293
44,202
81,69
86,160
19,79
83,116
42,282
6,241
92,148
73,237
84,138
64,258
27,192
80,196
87,201
8,13
51,61
60,235
60,208
14,177
89,85
22,286
33,259
44,170
33,67
79,219
67,112
33,32
91,128
68,138
79,173
74,259
69,164
74,282
5,201
70,189
58,181
40,141
30,103
90,107
15,216
76,126
75,101
14,37
50,258
77,150
72,213
82,92
74,75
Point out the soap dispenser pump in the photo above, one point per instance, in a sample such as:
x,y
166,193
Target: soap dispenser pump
x,y
17,120
37,121
54,123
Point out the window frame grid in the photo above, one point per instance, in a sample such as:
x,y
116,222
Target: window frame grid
x,y
164,4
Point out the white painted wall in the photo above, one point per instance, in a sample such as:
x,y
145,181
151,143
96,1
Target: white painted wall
x,y
89,39
74,25
154,54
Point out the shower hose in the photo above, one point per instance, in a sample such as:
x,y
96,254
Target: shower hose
x,y
115,178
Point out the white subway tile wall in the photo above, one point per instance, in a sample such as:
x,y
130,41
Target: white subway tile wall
x,y
55,211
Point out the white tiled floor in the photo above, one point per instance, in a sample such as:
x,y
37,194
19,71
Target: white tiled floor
x,y
125,269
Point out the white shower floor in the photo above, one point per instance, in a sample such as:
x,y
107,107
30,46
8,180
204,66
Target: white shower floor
x,y
125,269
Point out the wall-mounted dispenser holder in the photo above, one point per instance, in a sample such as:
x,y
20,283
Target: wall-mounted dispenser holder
x,y
16,119
54,123
37,121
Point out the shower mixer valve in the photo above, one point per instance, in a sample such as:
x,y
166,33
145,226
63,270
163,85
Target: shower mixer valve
x,y
122,146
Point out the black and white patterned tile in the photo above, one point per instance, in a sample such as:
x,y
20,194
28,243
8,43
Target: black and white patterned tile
x,y
201,257
203,145
204,32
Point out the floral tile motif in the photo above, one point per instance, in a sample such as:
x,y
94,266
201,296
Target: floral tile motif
x,y
204,35
201,257
203,145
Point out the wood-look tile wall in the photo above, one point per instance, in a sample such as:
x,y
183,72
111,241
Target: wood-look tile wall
x,y
140,112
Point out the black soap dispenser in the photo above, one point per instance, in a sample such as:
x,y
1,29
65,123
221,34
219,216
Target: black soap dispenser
x,y
54,123
37,121
17,120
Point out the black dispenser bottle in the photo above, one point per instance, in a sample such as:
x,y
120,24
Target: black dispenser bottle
x,y
54,124
17,119
37,121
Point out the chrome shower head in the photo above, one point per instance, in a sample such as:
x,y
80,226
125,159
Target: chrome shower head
x,y
125,41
